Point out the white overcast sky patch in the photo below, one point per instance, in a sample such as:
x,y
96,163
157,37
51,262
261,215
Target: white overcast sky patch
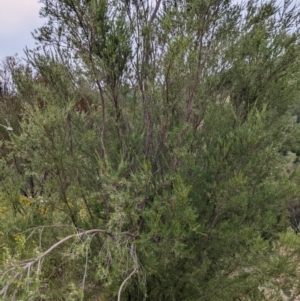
x,y
18,18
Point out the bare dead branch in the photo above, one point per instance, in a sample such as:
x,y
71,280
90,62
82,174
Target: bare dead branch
x,y
26,265
134,271
85,271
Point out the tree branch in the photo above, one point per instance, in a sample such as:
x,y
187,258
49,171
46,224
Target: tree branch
x,y
155,11
135,270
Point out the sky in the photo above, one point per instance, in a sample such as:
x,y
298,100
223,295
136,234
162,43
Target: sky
x,y
18,18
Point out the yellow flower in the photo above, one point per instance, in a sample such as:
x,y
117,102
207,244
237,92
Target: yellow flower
x,y
24,200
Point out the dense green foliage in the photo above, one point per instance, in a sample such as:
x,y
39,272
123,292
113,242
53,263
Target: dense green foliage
x,y
145,160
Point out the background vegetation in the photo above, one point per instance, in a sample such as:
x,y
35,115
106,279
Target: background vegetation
x,y
149,152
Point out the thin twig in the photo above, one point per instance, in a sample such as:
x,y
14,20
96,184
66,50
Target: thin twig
x,y
85,272
125,280
135,270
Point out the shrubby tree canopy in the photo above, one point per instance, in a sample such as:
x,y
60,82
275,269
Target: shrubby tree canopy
x,y
145,163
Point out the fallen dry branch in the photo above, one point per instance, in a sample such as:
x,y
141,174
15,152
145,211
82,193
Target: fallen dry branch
x,y
25,266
